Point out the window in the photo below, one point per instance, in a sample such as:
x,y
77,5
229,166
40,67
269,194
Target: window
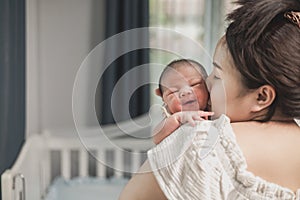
x,y
200,20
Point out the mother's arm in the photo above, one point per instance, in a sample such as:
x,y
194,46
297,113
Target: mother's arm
x,y
142,185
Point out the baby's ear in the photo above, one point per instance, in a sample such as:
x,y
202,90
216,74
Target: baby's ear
x,y
158,92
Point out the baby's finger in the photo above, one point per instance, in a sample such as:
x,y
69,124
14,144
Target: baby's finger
x,y
205,113
190,120
197,117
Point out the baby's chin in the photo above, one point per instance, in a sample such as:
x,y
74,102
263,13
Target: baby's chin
x,y
190,108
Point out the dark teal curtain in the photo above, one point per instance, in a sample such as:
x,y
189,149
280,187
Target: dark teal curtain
x,y
121,16
12,80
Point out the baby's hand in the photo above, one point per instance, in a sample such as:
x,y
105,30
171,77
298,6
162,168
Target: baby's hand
x,y
191,116
170,124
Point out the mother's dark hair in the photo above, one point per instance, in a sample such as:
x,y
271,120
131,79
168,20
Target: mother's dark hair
x,y
265,47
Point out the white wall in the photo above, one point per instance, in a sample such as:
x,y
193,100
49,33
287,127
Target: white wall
x,y
60,34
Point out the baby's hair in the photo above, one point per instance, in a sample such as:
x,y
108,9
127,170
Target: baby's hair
x,y
178,63
265,48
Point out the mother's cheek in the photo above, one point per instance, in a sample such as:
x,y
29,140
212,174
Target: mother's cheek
x,y
218,100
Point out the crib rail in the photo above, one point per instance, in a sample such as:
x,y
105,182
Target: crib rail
x,y
97,148
46,156
22,190
14,179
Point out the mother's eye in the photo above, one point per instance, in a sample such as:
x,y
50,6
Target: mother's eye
x,y
196,84
215,77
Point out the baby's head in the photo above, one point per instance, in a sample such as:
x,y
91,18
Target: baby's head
x,y
182,86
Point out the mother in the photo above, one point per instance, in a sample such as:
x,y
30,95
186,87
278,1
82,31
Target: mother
x,y
256,83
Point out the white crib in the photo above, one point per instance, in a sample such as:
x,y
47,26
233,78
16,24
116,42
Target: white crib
x,y
36,167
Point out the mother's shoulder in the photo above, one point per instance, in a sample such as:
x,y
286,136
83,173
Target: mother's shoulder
x,y
241,126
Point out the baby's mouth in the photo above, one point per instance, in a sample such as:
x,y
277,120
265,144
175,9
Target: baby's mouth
x,y
189,102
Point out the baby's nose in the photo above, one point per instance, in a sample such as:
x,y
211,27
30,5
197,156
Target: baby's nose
x,y
185,91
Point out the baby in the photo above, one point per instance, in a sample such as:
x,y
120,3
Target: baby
x,y
184,93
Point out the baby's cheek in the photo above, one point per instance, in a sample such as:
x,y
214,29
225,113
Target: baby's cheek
x,y
202,99
176,105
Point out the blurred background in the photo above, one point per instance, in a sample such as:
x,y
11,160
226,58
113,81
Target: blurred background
x,y
44,42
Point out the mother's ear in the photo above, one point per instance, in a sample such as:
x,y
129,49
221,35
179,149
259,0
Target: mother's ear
x,y
158,92
265,95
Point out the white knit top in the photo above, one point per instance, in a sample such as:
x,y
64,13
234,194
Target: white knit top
x,y
205,162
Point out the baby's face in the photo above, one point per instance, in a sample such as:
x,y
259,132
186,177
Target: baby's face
x,y
184,89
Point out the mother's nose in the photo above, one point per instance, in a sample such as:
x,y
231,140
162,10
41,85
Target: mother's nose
x,y
208,83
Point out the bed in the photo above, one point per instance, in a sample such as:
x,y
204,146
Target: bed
x,y
60,165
